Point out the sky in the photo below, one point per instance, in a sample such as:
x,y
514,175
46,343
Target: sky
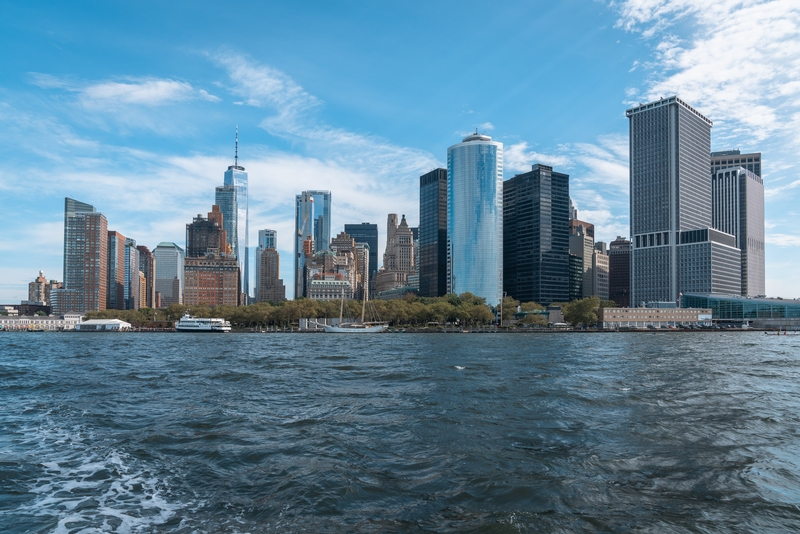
x,y
132,107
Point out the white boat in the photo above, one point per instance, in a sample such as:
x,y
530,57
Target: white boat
x,y
358,327
187,323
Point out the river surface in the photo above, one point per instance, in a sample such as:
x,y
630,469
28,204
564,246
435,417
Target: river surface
x,y
251,433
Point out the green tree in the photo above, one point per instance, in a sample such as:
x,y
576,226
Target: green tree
x,y
582,312
509,307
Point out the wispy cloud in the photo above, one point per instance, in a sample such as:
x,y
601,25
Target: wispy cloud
x,y
783,240
740,65
519,157
143,92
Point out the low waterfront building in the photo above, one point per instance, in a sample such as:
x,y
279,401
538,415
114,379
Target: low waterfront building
x,y
38,323
757,312
103,325
640,318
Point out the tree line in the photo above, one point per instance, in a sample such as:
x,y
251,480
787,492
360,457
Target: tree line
x,y
465,309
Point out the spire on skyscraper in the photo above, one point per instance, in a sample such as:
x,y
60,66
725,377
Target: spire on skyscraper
x,y
236,156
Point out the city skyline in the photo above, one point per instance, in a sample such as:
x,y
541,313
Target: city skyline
x,y
145,135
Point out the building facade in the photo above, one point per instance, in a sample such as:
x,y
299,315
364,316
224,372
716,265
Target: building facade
x,y
670,203
85,260
131,275
640,318
237,177
312,222
619,272
225,198
115,298
266,239
147,265
367,234
536,236
475,218
169,272
581,244
600,270
733,158
433,233
738,209
212,279
271,287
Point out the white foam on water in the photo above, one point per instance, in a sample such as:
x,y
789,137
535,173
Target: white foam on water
x,y
89,488
460,367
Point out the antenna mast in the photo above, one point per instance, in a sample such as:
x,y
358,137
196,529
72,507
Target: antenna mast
x,y
236,157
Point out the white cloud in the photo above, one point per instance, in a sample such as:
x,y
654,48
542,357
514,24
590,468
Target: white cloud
x,y
519,157
783,240
775,191
740,66
143,92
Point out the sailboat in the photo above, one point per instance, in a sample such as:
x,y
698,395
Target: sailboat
x,y
358,327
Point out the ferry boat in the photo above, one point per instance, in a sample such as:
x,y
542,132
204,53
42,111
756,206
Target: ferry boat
x,y
187,323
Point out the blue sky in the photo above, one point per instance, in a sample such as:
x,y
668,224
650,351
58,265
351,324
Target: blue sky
x,y
131,106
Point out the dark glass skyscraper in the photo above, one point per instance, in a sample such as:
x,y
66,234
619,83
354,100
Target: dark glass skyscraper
x,y
433,233
536,236
366,233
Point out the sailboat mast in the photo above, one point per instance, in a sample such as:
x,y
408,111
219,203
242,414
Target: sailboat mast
x,y
341,307
363,305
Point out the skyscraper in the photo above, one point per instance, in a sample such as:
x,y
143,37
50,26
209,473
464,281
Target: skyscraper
x,y
674,249
225,198
475,217
433,233
85,259
619,272
115,285
266,239
581,245
738,209
270,286
536,236
366,233
147,264
726,159
312,221
131,275
169,272
211,273
237,177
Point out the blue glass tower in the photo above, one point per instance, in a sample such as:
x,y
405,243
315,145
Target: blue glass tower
x,y
237,177
475,218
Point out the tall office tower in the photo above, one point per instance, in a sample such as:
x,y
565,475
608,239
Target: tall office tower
x,y
433,233
147,264
131,275
85,259
475,218
205,235
600,270
581,244
363,253
304,231
733,158
536,236
367,234
266,239
575,277
270,287
312,221
619,272
225,198
169,272
738,209
237,177
115,284
674,250
142,289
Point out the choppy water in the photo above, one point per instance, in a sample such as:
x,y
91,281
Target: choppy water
x,y
423,433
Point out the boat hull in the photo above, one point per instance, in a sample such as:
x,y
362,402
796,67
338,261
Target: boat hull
x,y
355,330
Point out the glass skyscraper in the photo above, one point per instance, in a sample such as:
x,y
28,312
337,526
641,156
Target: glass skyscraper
x,y
433,233
225,198
237,177
536,236
475,218
169,272
366,233
312,220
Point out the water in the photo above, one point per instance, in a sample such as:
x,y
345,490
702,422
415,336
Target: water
x,y
241,433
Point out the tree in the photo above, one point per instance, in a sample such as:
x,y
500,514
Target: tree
x,y
582,312
509,307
